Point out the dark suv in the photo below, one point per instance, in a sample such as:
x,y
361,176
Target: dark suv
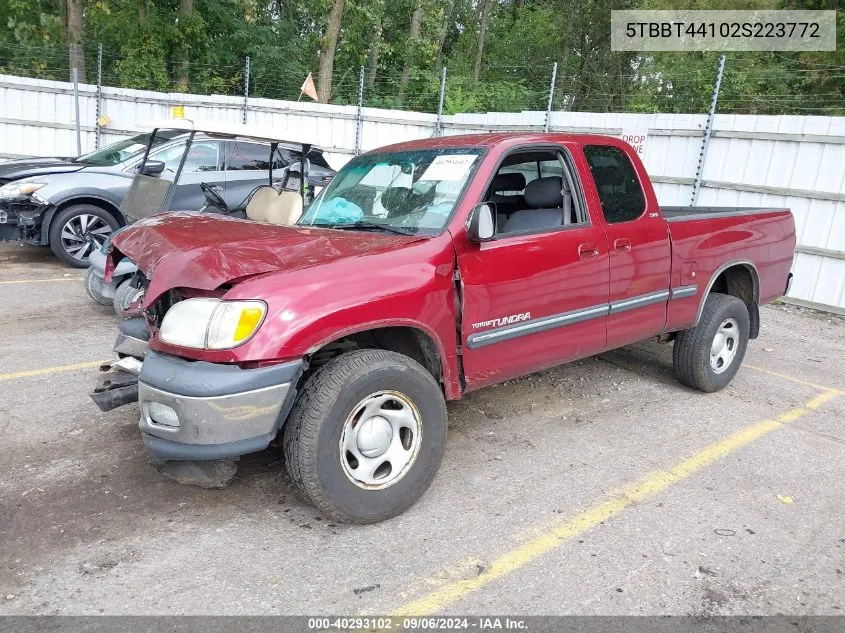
x,y
74,204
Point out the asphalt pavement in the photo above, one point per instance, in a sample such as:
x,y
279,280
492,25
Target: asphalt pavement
x,y
599,487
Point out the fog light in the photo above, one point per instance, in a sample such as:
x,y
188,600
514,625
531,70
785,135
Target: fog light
x,y
162,415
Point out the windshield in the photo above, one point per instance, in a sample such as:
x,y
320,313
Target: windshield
x,y
123,150
408,192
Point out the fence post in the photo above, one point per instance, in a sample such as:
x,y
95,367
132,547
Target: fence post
x,y
75,75
99,108
548,122
708,130
359,119
438,128
246,90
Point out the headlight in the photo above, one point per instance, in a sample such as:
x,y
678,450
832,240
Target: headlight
x,y
20,188
211,323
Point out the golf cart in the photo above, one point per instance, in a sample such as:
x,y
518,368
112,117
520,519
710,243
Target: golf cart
x,y
288,189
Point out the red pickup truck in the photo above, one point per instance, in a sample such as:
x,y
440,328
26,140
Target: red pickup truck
x,y
425,270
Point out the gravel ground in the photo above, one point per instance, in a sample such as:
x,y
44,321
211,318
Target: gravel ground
x,y
512,524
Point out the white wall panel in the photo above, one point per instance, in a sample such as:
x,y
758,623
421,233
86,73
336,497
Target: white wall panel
x,y
37,119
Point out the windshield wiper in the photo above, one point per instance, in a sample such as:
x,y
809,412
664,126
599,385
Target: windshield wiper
x,y
363,224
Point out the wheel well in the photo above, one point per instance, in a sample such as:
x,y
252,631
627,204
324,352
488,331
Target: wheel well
x,y
408,341
97,202
740,281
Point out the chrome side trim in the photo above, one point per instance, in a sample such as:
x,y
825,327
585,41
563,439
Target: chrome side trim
x,y
638,302
507,332
533,326
682,292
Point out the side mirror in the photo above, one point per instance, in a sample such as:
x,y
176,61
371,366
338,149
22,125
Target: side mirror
x,y
481,225
151,168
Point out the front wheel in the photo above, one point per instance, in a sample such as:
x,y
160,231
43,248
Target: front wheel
x,y
124,296
94,287
708,356
79,230
366,436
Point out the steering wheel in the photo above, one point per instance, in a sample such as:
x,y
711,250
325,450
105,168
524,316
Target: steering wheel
x,y
214,199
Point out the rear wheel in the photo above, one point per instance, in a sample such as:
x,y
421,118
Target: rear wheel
x,y
366,436
79,230
708,356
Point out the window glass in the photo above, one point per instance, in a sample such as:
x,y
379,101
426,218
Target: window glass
x,y
252,156
315,156
550,168
203,156
125,149
411,191
622,198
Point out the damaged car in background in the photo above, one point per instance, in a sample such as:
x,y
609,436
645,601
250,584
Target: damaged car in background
x,y
72,205
424,271
280,195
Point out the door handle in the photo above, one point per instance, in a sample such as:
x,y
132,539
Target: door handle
x,y
622,244
586,251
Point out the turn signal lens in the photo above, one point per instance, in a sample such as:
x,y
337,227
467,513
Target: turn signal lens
x,y
250,318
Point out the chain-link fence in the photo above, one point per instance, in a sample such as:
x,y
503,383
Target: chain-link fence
x,y
773,84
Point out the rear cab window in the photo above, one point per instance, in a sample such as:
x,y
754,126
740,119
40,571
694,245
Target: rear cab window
x,y
621,195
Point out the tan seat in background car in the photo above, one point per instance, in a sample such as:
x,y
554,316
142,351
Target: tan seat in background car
x,y
285,209
268,205
260,202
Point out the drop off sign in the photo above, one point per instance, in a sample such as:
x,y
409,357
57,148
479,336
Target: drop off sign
x,y
636,139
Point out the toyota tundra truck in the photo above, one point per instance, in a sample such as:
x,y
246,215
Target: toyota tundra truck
x,y
424,271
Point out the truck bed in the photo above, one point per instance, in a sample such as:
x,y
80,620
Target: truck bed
x,y
679,214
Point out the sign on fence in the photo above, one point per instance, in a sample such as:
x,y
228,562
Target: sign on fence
x,y
636,139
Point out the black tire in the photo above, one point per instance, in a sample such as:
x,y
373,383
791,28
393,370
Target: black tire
x,y
691,356
93,285
124,295
313,432
63,217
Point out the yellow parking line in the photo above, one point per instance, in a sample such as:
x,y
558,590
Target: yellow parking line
x,y
39,281
793,379
51,370
626,497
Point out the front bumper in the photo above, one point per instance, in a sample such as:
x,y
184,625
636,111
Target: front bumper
x,y
199,410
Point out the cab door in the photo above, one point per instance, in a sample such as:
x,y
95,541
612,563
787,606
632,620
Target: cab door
x,y
536,298
638,246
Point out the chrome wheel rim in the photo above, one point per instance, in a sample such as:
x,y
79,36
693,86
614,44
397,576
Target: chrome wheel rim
x,y
83,234
724,346
380,440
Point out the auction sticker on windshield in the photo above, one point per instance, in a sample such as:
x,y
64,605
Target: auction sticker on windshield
x,y
449,167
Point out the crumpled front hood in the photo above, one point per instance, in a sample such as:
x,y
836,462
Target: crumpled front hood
x,y
205,251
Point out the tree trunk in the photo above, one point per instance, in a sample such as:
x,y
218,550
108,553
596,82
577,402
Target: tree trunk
x,y
142,13
374,54
444,32
186,9
411,51
482,31
328,46
75,37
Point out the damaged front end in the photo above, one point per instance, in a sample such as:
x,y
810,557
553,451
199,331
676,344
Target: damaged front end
x,y
117,383
21,218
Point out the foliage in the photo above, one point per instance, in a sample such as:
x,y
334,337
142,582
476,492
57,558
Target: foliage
x,y
155,44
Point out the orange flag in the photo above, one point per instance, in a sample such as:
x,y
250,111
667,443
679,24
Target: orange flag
x,y
309,88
